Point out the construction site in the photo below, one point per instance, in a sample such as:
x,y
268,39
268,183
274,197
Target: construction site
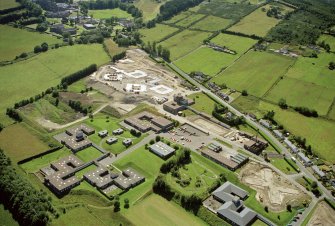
x,y
323,215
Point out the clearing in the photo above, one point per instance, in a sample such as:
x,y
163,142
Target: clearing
x,y
273,190
212,23
150,212
157,33
108,13
323,215
14,41
249,73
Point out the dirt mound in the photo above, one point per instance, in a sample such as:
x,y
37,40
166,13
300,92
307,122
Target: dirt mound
x,y
272,189
323,215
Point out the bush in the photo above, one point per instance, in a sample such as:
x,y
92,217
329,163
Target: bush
x,y
23,55
37,49
244,92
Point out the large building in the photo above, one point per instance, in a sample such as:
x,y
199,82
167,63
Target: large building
x,y
304,159
178,104
146,121
162,150
254,144
129,178
100,177
230,205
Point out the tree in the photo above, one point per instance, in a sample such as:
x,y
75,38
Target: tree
x,y
266,208
84,9
126,203
44,46
331,65
116,206
289,208
282,103
158,138
42,27
244,92
37,49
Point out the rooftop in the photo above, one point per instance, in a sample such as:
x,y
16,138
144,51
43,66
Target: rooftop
x,y
162,149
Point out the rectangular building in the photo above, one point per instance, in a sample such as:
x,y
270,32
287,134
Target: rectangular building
x,y
162,150
304,159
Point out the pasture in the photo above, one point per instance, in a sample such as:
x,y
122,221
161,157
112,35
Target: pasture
x,y
48,69
179,17
7,4
20,143
329,40
202,102
189,20
211,23
157,33
108,13
257,23
184,42
14,41
234,42
206,60
249,73
150,212
301,93
149,8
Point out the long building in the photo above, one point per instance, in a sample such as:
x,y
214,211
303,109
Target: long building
x,y
232,163
162,150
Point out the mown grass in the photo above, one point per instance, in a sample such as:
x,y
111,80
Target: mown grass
x,y
178,17
19,143
14,41
108,13
155,210
88,154
234,42
157,33
7,4
212,23
202,103
329,40
249,73
31,77
184,42
283,166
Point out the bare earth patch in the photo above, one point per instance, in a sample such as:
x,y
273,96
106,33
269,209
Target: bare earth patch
x,y
272,189
323,215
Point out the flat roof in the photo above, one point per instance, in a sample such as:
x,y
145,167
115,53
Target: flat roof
x,y
220,158
73,144
99,176
129,178
67,163
162,149
148,121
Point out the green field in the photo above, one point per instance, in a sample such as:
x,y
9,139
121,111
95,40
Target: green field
x,y
6,217
206,60
300,93
184,42
179,17
108,13
155,210
6,4
31,77
329,40
157,33
88,154
318,132
14,41
189,20
212,23
19,143
257,23
149,8
202,103
234,42
112,47
283,166
250,74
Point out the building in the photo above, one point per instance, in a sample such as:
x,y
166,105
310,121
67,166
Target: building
x,y
232,163
265,123
59,14
111,140
278,134
214,147
82,127
231,207
127,142
75,144
103,133
89,26
129,178
173,107
291,146
318,172
304,159
117,131
254,144
146,121
60,29
162,150
99,177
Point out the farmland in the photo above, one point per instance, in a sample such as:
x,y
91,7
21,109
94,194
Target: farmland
x,y
189,20
329,40
206,60
202,103
179,17
212,23
49,68
234,42
149,8
257,22
150,212
248,74
108,13
6,4
112,47
14,41
184,42
157,33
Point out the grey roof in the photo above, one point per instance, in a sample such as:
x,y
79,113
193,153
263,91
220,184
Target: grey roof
x,y
128,179
111,140
317,170
265,123
118,131
161,149
278,133
127,141
103,132
303,157
291,145
100,177
230,188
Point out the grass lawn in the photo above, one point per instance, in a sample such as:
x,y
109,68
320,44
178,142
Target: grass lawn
x,y
249,72
48,69
257,22
45,160
6,4
77,86
157,33
318,132
88,154
234,42
81,173
14,41
329,40
6,217
283,166
301,93
189,20
206,60
108,13
202,103
150,212
212,23
113,48
184,42
19,143
149,8
109,217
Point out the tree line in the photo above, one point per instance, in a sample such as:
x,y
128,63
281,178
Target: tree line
x,y
31,10
232,121
68,80
28,205
155,50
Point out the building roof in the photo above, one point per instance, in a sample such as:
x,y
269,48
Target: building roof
x,y
265,123
220,158
73,144
103,132
303,157
128,179
291,145
317,170
100,177
162,149
119,130
59,182
173,105
278,133
146,121
67,163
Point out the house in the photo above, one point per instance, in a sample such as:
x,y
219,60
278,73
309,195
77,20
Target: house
x,y
173,107
99,177
291,146
265,123
278,134
127,142
103,133
305,160
89,26
162,150
117,131
129,178
111,140
232,163
318,172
